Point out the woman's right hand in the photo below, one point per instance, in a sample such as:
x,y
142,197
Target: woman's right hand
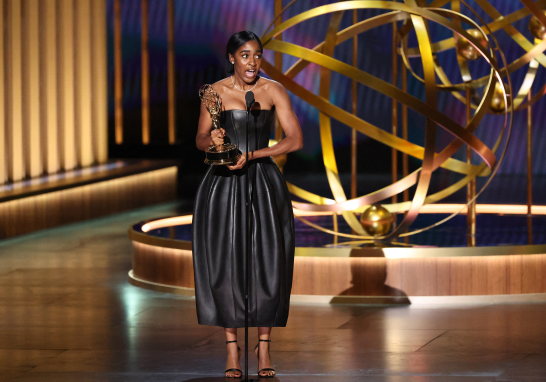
x,y
217,136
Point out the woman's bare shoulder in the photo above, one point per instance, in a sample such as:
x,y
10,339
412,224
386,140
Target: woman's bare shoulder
x,y
275,91
271,85
222,85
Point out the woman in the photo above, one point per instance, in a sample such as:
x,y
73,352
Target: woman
x,y
219,213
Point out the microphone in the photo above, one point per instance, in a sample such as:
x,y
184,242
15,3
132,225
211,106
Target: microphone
x,y
249,98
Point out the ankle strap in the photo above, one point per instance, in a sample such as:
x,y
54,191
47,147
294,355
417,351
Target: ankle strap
x,y
265,340
228,342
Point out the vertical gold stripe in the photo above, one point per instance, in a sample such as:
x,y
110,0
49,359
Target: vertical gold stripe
x,y
171,74
405,159
99,82
278,63
394,116
145,75
49,94
66,87
3,162
471,187
31,78
83,82
14,86
118,82
529,170
354,178
336,226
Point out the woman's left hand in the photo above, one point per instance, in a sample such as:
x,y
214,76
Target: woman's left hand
x,y
240,163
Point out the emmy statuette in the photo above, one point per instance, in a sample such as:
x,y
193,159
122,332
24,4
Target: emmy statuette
x,y
228,153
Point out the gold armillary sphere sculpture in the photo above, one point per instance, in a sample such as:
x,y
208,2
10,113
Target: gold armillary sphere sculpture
x,y
414,18
533,57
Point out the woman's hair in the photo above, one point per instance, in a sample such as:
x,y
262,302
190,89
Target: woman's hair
x,y
235,43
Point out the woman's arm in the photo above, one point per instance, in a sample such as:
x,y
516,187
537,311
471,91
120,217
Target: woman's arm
x,y
289,122
204,138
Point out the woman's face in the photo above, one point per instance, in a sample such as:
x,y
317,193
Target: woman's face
x,y
247,61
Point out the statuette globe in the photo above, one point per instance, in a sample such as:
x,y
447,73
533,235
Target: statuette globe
x,y
376,220
466,49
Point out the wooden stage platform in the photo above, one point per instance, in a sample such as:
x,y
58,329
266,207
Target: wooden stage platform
x,y
82,194
366,275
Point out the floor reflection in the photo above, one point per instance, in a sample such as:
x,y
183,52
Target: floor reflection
x,y
68,313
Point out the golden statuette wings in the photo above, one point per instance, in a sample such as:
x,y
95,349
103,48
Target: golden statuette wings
x,y
211,99
228,153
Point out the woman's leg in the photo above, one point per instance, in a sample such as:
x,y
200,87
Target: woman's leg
x,y
264,360
232,353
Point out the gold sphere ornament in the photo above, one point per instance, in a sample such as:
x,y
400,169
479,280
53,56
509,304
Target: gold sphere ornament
x,y
376,220
498,106
466,49
537,29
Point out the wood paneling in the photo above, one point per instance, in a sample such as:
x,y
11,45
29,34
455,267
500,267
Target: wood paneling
x,y
371,276
488,275
53,101
3,163
145,79
118,84
31,89
84,96
66,206
14,86
66,84
166,266
99,83
49,93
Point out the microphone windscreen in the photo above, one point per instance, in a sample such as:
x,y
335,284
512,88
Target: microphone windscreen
x,y
249,98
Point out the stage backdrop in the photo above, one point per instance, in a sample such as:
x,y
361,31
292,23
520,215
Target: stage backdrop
x,y
53,112
202,29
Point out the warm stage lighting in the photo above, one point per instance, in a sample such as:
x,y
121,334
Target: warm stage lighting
x,y
500,209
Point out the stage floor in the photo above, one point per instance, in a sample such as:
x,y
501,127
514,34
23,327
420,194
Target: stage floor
x,y
68,313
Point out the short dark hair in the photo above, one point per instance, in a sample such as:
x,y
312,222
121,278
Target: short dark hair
x,y
235,43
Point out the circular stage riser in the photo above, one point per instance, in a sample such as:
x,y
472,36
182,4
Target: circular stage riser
x,y
371,276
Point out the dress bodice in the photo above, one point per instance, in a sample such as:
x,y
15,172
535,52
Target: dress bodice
x,y
234,123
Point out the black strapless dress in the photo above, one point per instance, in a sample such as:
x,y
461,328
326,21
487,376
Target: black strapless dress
x,y
219,234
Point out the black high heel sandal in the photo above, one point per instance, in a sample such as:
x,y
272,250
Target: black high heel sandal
x,y
267,368
234,369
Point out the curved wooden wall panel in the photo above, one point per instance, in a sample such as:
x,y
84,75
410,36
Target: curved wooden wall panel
x,y
3,168
168,266
452,276
379,276
70,205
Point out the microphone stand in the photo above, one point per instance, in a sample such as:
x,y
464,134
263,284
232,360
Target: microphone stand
x,y
249,98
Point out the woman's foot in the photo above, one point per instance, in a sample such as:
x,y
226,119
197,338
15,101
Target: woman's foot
x,y
265,366
233,366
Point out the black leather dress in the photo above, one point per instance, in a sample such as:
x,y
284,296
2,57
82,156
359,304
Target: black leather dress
x,y
219,234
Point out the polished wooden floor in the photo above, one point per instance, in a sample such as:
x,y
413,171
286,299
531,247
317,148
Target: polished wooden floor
x,y
68,313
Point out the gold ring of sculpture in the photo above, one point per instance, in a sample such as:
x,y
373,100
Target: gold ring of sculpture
x,y
321,55
534,54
